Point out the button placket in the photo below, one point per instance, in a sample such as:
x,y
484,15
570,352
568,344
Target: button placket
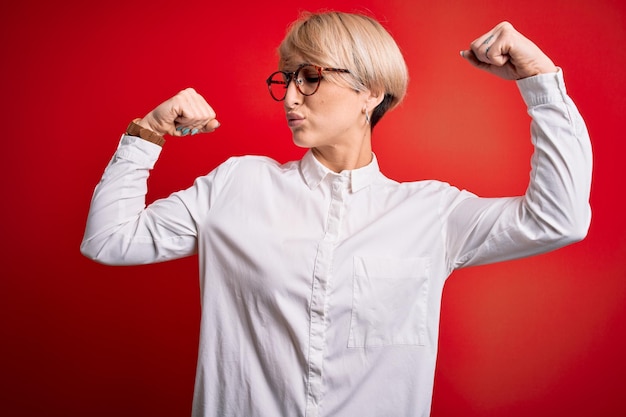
x,y
322,280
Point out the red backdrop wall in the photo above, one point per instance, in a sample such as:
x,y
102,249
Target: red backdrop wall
x,y
544,336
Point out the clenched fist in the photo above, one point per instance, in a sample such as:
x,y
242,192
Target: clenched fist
x,y
185,113
505,52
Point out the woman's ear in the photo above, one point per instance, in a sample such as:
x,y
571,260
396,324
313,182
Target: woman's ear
x,y
373,100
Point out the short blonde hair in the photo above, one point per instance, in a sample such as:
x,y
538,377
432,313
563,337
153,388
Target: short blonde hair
x,y
355,42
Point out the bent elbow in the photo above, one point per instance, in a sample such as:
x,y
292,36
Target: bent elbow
x,y
561,227
574,236
576,229
580,229
86,250
89,251
97,254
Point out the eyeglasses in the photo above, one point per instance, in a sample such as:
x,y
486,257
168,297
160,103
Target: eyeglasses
x,y
307,78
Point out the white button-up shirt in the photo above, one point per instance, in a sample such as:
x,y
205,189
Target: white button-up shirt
x,y
321,291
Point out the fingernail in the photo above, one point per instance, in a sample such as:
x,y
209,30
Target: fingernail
x,y
179,128
185,131
462,53
194,131
218,125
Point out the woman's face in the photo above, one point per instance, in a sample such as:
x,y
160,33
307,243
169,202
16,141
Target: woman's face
x,y
332,117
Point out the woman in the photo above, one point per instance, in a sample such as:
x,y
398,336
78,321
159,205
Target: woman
x,y
321,279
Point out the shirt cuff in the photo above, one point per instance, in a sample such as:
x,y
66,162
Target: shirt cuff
x,y
139,151
543,88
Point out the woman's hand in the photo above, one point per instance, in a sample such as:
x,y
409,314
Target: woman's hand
x,y
505,52
185,113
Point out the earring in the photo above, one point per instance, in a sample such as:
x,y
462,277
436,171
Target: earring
x,y
367,116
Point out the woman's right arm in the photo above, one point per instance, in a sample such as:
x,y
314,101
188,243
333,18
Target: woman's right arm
x,y
120,229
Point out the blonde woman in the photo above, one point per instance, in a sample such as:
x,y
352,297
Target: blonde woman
x,y
321,279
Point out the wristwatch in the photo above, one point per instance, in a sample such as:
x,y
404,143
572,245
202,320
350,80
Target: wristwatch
x,y
134,129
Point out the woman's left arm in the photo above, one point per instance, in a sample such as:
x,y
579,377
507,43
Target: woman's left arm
x,y
555,210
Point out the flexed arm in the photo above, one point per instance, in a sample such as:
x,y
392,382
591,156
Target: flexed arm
x,y
120,228
555,209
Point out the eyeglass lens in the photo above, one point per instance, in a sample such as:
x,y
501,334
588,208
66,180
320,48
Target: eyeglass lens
x,y
307,80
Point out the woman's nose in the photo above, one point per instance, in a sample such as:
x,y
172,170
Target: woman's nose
x,y
293,95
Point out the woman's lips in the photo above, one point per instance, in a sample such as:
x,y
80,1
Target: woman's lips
x,y
294,119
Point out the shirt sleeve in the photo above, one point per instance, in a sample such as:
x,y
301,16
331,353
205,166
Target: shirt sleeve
x,y
555,209
121,230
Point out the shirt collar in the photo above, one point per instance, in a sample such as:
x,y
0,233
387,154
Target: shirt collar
x,y
314,172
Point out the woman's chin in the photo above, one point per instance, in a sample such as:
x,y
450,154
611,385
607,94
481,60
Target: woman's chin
x,y
301,141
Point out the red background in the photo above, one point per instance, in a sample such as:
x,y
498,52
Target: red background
x,y
544,336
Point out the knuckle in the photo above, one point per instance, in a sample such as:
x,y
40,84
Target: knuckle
x,y
506,26
187,93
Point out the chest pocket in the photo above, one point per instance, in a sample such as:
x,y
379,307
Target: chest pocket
x,y
390,301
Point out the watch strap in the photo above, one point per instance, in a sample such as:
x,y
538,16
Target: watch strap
x,y
135,129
